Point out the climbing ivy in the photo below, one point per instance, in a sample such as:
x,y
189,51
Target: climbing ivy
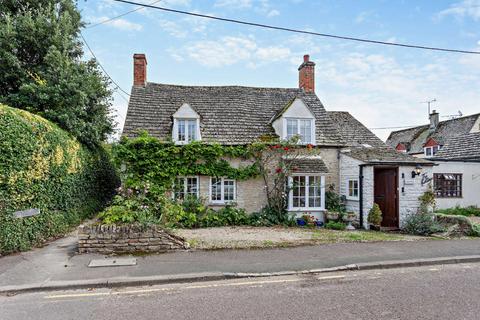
x,y
147,159
44,167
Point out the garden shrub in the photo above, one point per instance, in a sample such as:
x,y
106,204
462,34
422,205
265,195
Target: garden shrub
x,y
375,215
42,166
422,224
467,211
335,225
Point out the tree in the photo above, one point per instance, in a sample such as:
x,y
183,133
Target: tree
x,y
42,71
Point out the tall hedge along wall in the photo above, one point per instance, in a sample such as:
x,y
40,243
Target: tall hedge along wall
x,y
42,166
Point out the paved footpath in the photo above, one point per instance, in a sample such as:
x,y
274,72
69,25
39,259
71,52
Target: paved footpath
x,y
58,261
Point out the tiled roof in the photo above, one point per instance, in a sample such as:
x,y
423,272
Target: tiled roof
x,y
445,130
383,155
466,147
364,145
353,131
307,165
229,114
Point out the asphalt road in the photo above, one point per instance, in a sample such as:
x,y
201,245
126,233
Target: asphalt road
x,y
440,292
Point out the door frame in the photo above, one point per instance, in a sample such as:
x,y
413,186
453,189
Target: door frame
x,y
397,183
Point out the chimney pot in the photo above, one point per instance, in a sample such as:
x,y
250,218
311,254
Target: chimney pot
x,y
306,75
139,69
434,120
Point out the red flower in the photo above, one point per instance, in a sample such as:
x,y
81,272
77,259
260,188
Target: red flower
x,y
309,146
278,170
286,148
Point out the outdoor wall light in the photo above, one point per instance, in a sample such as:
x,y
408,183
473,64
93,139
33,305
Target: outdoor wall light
x,y
417,171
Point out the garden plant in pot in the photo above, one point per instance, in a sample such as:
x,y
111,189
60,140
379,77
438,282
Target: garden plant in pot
x,y
334,204
375,217
349,217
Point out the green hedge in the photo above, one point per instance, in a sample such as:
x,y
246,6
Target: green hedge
x,y
42,166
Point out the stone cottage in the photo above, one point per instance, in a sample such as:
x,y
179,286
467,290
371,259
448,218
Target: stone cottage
x,y
343,152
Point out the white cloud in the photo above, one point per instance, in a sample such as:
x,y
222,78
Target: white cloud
x,y
362,16
273,53
234,4
459,10
173,28
227,51
232,50
273,13
120,23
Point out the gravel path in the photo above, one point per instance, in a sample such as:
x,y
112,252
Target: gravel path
x,y
265,237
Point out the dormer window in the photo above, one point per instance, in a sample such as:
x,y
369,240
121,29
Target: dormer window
x,y
187,130
301,128
431,151
186,125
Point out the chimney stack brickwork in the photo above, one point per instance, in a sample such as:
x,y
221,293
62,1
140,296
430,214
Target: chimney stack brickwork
x,y
434,120
306,75
139,69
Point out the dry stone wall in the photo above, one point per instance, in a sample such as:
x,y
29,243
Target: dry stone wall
x,y
107,239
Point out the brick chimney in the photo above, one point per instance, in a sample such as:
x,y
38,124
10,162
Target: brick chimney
x,y
306,75
139,69
434,120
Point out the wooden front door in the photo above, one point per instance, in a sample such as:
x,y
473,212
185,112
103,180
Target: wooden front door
x,y
386,195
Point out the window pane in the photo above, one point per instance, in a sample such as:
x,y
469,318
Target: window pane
x,y
229,190
192,130
181,130
179,188
306,131
298,189
428,151
314,196
216,189
292,128
447,185
192,187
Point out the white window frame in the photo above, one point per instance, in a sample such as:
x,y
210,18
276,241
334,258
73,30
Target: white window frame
x,y
222,190
312,129
349,197
307,207
175,130
432,152
185,185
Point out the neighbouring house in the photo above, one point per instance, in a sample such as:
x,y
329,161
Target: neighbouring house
x,y
343,153
454,146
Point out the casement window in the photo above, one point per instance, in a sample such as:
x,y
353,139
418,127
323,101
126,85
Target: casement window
x,y
306,192
186,187
186,130
431,151
352,189
447,185
222,190
302,128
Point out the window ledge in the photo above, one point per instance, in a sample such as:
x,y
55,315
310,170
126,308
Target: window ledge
x,y
305,209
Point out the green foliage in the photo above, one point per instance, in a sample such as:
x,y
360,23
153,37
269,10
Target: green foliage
x,y
43,167
375,215
475,230
333,201
422,224
335,225
459,211
147,159
42,69
427,200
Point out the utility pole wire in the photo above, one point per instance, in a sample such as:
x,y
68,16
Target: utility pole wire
x,y
105,71
301,31
119,16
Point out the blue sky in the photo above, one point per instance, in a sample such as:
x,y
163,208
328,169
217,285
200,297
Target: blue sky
x,y
381,86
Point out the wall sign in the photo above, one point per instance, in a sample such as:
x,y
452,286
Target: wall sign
x,y
26,213
425,179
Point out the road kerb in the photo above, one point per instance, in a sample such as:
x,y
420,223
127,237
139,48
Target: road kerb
x,y
215,276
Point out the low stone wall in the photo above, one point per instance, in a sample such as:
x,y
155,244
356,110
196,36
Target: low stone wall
x,y
108,239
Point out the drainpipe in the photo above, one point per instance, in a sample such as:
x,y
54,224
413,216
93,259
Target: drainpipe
x,y
360,195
